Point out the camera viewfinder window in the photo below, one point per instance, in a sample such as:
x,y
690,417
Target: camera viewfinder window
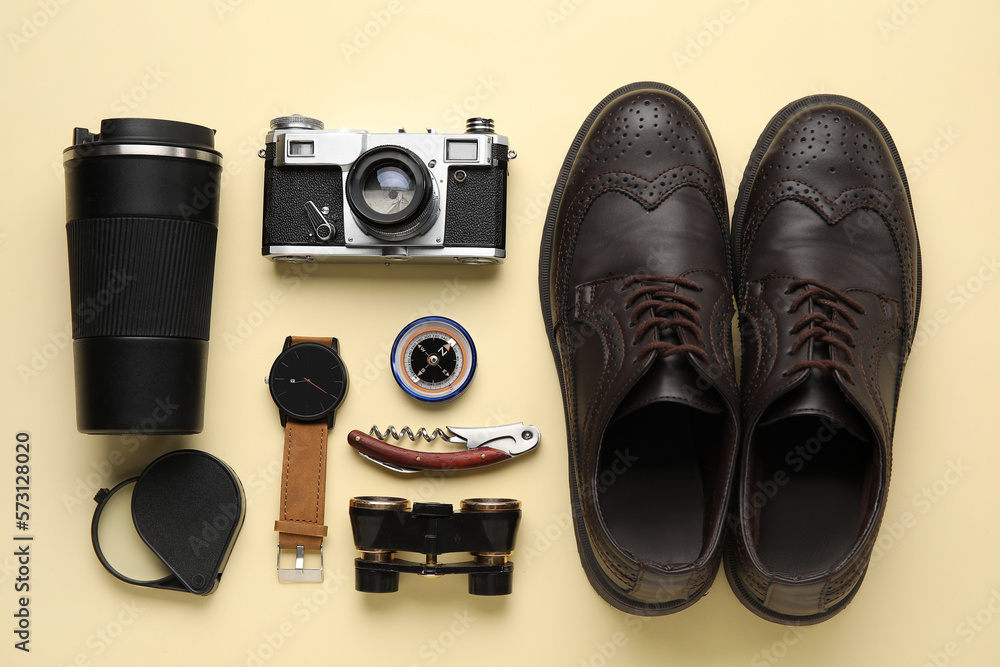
x,y
301,148
459,150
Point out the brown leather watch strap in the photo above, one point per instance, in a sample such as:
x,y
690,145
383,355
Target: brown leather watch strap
x,y
328,341
303,487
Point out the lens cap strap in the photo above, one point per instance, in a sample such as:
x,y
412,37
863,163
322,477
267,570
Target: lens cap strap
x,y
169,582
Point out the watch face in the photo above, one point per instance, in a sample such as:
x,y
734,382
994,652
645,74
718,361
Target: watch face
x,y
308,381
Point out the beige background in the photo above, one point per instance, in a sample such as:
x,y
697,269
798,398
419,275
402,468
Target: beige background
x,y
928,68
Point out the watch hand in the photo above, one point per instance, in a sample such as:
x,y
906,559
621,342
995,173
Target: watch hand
x,y
308,381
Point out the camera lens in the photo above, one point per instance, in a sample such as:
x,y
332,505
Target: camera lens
x,y
142,212
391,193
388,190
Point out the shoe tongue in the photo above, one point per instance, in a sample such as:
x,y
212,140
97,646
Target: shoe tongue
x,y
818,395
670,379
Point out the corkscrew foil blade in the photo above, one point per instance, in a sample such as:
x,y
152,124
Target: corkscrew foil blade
x,y
390,466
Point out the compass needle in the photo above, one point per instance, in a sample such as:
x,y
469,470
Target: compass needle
x,y
433,359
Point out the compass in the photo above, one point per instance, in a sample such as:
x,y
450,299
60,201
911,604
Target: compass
x,y
433,359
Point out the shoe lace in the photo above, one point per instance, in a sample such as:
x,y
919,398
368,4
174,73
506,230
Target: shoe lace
x,y
670,310
816,325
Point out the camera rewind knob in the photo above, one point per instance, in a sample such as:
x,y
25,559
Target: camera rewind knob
x,y
296,122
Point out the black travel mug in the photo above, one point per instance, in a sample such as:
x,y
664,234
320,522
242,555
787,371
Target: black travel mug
x,y
142,216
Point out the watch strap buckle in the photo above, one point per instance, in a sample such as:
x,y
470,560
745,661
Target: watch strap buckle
x,y
299,573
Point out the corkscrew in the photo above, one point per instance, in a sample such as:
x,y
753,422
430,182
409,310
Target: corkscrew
x,y
484,446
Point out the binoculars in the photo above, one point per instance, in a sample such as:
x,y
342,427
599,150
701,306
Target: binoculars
x,y
484,527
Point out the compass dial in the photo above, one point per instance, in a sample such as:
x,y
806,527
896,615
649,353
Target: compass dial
x,y
433,359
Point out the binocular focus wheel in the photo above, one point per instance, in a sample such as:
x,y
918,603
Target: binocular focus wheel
x,y
376,581
491,583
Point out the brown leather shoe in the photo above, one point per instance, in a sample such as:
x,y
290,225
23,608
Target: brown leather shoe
x,y
635,290
828,284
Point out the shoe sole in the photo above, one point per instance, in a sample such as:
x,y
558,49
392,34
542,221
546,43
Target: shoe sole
x,y
739,213
593,570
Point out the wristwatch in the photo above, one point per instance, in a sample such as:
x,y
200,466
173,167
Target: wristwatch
x,y
308,381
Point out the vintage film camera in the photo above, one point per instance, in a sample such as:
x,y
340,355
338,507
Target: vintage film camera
x,y
351,196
